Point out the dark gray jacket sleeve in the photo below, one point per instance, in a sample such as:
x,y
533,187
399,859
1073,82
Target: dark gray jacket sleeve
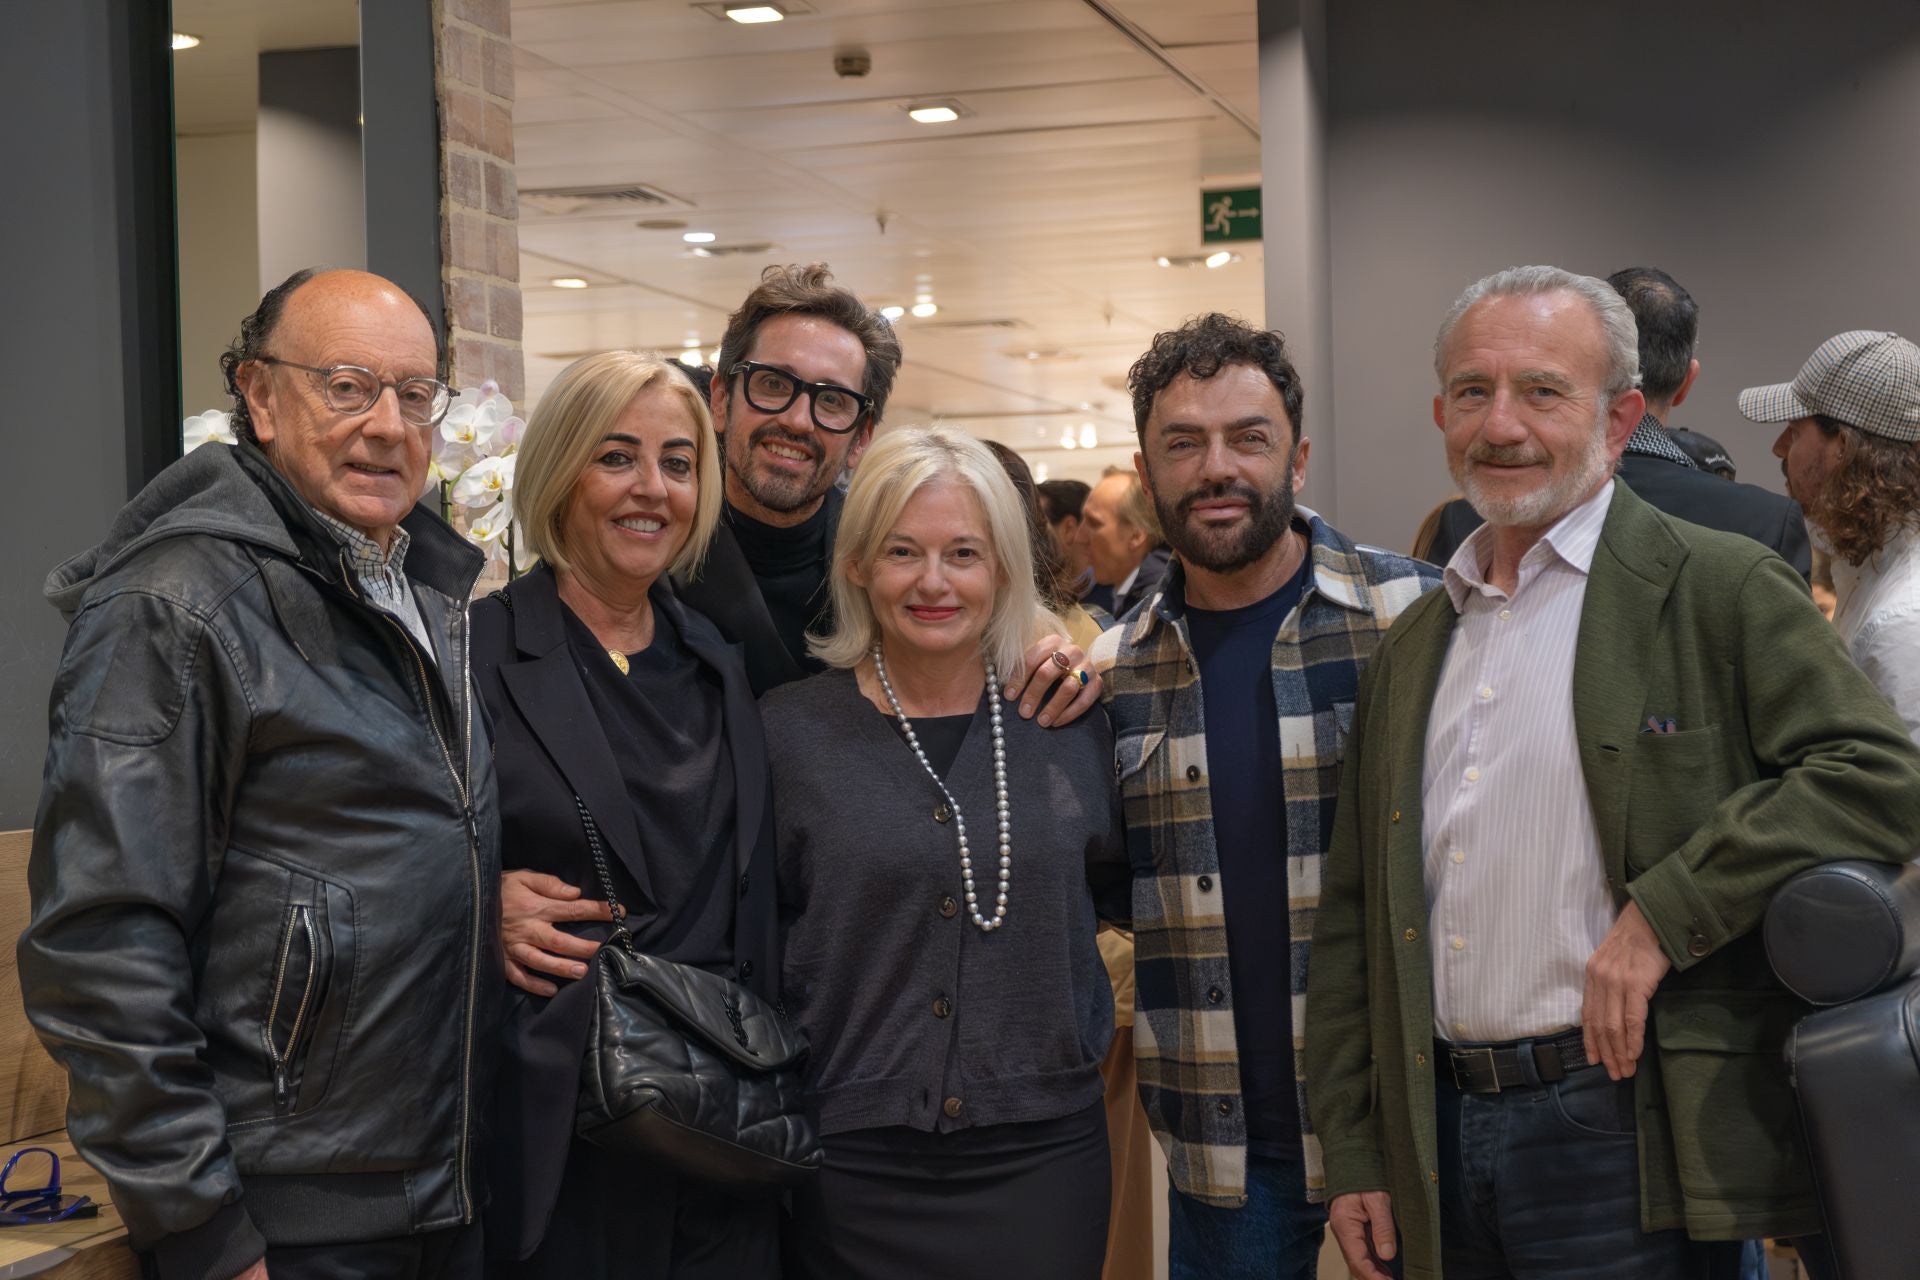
x,y
150,722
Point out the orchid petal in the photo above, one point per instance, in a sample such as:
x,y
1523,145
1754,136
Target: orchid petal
x,y
214,424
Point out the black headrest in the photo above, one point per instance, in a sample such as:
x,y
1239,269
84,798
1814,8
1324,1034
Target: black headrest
x,y
1845,930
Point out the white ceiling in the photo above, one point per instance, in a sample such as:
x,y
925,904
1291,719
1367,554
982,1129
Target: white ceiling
x,y
216,85
1082,160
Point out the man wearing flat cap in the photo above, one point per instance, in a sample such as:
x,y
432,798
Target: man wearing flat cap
x,y
1851,455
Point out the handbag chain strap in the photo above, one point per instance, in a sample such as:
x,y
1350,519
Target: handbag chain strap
x,y
606,877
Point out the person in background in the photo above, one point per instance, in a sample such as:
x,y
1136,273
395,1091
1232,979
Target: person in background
x,y
1121,539
1574,779
939,864
1229,694
1653,464
613,703
1062,501
266,863
1851,454
1130,1141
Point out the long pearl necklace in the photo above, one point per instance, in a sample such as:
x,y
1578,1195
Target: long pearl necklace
x,y
980,921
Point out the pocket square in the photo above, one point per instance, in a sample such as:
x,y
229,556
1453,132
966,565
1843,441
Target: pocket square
x,y
1655,724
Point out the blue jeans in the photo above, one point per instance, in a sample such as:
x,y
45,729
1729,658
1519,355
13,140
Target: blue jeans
x,y
1542,1182
1275,1237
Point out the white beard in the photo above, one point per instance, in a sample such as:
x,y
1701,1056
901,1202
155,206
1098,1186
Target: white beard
x,y
1546,504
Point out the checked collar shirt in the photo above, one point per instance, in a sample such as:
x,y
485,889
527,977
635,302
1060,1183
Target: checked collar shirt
x,y
1183,1023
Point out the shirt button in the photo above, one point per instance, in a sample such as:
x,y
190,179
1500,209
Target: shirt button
x,y
1506,614
1486,691
948,907
1458,856
942,813
1193,773
1224,1107
746,970
743,886
1473,775
1205,883
1411,935
942,1007
1215,995
1459,944
952,1107
1460,1028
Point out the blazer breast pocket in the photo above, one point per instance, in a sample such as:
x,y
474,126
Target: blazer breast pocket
x,y
1678,780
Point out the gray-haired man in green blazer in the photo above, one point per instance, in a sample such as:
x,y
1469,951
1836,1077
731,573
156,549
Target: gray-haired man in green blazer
x,y
1542,1037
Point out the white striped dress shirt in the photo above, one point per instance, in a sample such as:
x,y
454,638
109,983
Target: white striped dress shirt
x,y
1517,897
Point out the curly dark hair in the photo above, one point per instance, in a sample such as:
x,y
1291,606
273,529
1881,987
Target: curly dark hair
x,y
1872,494
1201,348
810,291
257,330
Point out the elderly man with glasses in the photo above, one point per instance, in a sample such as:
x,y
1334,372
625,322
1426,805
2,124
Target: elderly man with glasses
x,y
265,864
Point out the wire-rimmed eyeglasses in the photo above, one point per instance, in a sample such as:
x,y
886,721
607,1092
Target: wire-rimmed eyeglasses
x,y
347,388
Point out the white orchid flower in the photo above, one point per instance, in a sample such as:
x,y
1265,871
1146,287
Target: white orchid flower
x,y
214,424
486,481
491,523
472,426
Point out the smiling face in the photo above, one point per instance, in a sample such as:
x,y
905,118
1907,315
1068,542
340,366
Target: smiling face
x,y
780,465
1530,432
632,509
933,582
365,469
1219,459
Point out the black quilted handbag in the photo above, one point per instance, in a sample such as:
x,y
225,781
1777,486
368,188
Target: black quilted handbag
x,y
688,1070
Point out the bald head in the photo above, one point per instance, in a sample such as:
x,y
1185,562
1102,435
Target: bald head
x,y
364,467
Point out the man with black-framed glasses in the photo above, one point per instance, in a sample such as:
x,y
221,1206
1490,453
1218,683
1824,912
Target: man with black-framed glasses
x,y
265,865
803,377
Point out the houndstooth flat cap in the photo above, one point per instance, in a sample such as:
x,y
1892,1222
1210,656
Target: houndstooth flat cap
x,y
1863,377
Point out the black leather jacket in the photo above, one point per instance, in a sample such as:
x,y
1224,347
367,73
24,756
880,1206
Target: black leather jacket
x,y
265,877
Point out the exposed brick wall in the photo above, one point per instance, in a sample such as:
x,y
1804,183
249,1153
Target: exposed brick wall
x,y
479,233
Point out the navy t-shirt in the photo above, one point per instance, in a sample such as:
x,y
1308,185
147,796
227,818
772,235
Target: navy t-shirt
x,y
1235,651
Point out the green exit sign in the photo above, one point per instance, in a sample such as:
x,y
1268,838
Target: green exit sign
x,y
1230,215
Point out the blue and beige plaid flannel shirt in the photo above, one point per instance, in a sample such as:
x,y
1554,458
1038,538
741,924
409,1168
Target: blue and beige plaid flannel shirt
x,y
1184,1042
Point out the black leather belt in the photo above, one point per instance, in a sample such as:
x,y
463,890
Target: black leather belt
x,y
1489,1068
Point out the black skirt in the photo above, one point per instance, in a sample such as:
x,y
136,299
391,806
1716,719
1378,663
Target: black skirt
x,y
1010,1202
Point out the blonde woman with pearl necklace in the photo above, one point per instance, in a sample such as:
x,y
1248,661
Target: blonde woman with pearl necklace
x,y
939,863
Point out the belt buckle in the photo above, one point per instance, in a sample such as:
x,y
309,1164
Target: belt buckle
x,y
1493,1067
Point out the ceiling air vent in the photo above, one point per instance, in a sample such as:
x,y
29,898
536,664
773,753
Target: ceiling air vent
x,y
729,250
620,197
962,326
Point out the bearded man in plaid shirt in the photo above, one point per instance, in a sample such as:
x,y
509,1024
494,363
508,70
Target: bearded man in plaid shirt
x,y
1231,691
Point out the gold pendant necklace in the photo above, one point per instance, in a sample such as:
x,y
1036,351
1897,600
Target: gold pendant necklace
x,y
619,660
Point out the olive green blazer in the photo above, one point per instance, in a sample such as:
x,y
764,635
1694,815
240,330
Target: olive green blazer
x,y
1786,757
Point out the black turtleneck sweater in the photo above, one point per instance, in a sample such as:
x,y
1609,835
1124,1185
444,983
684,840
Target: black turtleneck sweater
x,y
791,567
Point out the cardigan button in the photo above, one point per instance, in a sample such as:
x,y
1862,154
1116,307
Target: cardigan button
x,y
952,1107
1205,883
948,907
1193,773
942,1007
942,812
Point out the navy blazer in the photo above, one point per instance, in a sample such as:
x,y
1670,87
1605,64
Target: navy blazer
x,y
549,747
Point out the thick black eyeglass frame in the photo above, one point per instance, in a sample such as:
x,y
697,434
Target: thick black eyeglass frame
x,y
811,390
445,392
40,1204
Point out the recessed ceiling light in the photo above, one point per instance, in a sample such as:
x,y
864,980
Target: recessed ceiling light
x,y
894,312
699,237
752,13
690,357
1088,436
700,251
925,309
934,112
713,357
181,40
1220,258
1067,441
568,282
